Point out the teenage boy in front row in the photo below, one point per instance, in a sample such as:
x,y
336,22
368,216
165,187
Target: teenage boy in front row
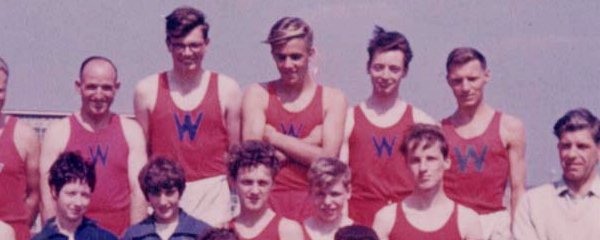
x,y
72,182
427,213
163,181
252,169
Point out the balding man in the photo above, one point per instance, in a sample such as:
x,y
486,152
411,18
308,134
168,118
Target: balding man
x,y
19,174
113,143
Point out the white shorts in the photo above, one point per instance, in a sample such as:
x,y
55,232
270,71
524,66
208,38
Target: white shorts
x,y
209,200
496,225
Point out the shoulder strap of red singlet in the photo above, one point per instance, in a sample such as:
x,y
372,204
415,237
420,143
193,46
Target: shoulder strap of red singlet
x,y
495,124
9,129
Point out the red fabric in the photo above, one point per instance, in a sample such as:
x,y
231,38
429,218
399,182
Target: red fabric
x,y
108,149
270,232
480,168
404,230
197,139
13,183
292,178
379,172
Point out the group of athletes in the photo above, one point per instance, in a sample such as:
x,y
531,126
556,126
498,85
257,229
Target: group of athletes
x,y
287,159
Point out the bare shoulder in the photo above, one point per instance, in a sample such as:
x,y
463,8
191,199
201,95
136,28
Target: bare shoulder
x,y
131,128
349,119
58,129
288,227
419,116
6,232
256,92
146,89
334,95
511,128
24,135
387,213
469,223
227,82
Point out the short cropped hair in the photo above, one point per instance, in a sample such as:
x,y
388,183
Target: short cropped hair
x,y
578,119
220,234
384,41
462,55
252,153
355,232
70,167
325,172
99,58
288,28
161,174
183,20
423,133
4,66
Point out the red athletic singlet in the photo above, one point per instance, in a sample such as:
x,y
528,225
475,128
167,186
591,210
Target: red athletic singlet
x,y
108,150
379,172
480,168
13,183
404,230
197,139
289,196
271,231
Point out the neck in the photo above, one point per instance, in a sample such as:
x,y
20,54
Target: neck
x,y
383,103
288,92
95,122
323,226
250,217
581,188
66,226
187,78
2,119
466,114
426,198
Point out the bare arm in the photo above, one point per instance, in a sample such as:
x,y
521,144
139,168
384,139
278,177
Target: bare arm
x,y
54,142
291,230
345,150
254,105
384,221
514,133
28,144
333,127
144,100
230,96
135,162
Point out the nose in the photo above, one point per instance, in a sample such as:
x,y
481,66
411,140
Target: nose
x,y
422,166
288,63
254,189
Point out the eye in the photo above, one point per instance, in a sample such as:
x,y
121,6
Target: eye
x,y
396,69
296,56
377,67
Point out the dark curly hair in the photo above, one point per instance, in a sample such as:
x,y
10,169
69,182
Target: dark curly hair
x,y
251,153
71,167
383,41
161,174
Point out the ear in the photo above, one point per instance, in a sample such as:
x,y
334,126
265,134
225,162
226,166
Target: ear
x,y
53,192
312,51
447,163
117,84
207,41
486,75
78,85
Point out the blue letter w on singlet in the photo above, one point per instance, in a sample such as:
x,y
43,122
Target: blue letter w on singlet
x,y
383,144
463,160
98,153
187,126
291,129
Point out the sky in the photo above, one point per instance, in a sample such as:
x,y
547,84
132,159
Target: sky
x,y
543,55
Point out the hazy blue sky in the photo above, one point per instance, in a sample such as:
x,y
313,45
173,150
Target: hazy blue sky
x,y
543,55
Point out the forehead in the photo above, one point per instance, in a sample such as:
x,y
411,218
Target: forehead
x,y
423,147
255,172
581,135
77,185
98,70
295,44
196,35
336,186
389,56
469,68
